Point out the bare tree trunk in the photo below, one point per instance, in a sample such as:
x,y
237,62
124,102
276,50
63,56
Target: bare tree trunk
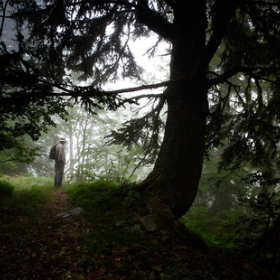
x,y
176,174
71,152
173,183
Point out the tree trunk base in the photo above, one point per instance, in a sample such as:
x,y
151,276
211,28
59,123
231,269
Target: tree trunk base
x,y
160,220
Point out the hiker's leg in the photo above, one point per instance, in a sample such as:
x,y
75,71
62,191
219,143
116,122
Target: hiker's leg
x,y
55,173
59,173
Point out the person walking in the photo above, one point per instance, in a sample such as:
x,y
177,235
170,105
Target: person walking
x,y
59,163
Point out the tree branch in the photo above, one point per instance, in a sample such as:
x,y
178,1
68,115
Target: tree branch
x,y
170,3
4,9
222,13
153,20
246,70
69,92
222,78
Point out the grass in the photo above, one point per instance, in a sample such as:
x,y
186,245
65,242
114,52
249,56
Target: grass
x,y
23,199
215,228
31,182
126,249
111,244
103,204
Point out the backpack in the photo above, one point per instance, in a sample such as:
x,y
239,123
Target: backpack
x,y
53,152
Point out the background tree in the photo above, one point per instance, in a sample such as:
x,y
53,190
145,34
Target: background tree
x,y
89,154
92,38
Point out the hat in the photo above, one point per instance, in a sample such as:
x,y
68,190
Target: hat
x,y
62,139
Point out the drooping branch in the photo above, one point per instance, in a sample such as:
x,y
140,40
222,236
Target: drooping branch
x,y
143,131
222,13
3,16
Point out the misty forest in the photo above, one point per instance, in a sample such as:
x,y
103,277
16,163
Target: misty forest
x,y
171,114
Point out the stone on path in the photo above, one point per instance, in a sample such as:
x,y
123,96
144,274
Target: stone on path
x,y
63,215
74,212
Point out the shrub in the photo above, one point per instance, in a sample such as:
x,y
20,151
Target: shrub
x,y
6,189
133,200
92,195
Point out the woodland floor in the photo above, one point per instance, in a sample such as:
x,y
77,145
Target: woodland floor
x,y
47,251
52,249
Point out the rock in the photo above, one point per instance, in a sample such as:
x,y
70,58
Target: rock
x,y
137,228
74,212
149,222
63,215
121,224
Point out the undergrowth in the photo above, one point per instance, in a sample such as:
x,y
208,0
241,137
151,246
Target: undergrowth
x,y
121,245
105,205
23,199
118,242
215,228
110,241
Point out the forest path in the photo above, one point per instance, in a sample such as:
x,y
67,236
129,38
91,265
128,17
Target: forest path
x,y
47,250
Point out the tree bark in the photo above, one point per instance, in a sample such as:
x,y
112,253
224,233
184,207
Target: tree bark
x,y
176,174
173,183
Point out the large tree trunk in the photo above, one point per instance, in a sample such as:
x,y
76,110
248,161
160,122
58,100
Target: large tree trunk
x,y
173,183
176,174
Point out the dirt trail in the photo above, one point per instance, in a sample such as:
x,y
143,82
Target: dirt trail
x,y
47,251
